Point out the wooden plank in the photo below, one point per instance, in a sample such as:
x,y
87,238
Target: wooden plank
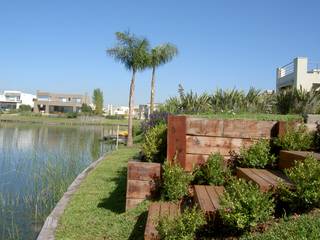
x,y
204,127
264,174
143,171
248,175
176,141
133,202
203,199
278,175
287,158
250,129
208,145
193,160
174,210
230,128
140,189
214,196
150,232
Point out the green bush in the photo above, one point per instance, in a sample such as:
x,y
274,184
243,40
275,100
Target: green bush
x,y
257,155
297,139
243,206
154,146
175,181
305,176
25,108
302,227
182,227
212,172
72,115
317,137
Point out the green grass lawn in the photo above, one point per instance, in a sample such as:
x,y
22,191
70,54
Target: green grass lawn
x,y
251,116
97,210
60,120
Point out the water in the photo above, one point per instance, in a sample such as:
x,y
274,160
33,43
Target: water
x,y
37,164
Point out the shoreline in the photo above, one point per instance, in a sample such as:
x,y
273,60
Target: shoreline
x,y
51,223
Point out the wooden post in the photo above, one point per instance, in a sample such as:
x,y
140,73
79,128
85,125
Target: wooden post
x,y
117,143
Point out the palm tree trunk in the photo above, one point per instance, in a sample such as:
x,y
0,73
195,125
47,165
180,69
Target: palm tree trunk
x,y
131,108
152,89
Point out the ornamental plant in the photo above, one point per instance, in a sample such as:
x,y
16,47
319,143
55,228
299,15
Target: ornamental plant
x,y
175,181
243,206
257,155
296,139
305,176
212,172
183,226
154,146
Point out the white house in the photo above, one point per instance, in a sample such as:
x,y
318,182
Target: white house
x,y
14,99
299,73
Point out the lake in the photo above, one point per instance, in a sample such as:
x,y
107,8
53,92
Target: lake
x,y
37,164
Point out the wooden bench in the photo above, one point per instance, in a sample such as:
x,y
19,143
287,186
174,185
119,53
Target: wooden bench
x,y
208,198
265,179
156,211
287,158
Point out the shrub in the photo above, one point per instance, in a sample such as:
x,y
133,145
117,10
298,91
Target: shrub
x,y
243,206
305,176
154,146
183,226
306,226
297,139
212,172
317,137
72,115
25,108
257,155
154,119
175,181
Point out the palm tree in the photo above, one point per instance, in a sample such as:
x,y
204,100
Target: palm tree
x,y
132,51
159,56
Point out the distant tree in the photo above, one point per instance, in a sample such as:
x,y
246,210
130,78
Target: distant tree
x,y
157,57
97,99
85,108
132,51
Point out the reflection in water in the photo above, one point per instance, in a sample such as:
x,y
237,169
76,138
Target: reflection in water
x,y
37,164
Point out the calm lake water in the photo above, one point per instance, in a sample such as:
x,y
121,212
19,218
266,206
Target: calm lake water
x,y
37,164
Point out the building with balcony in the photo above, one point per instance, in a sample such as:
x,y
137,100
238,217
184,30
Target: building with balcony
x,y
299,74
47,102
14,99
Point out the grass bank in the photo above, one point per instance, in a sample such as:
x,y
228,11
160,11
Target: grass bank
x,y
97,210
54,120
251,116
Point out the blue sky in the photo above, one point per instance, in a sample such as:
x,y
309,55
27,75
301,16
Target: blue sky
x,y
60,45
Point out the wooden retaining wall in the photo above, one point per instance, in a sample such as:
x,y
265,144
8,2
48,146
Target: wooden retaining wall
x,y
143,180
191,140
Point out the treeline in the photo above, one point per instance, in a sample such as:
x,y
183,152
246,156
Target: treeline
x,y
290,101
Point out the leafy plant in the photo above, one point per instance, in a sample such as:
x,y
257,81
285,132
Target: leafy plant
x,y
154,146
212,172
243,206
317,137
25,108
297,139
257,155
305,176
72,115
175,181
182,227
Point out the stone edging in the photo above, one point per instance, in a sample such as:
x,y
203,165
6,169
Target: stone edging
x,y
49,227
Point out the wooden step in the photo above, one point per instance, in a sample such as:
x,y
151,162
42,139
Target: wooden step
x,y
208,199
287,158
156,211
266,179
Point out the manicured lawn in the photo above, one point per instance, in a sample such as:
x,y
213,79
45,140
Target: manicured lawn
x,y
306,226
251,116
97,210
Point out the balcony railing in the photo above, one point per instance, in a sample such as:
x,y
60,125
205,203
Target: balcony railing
x,y
286,69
